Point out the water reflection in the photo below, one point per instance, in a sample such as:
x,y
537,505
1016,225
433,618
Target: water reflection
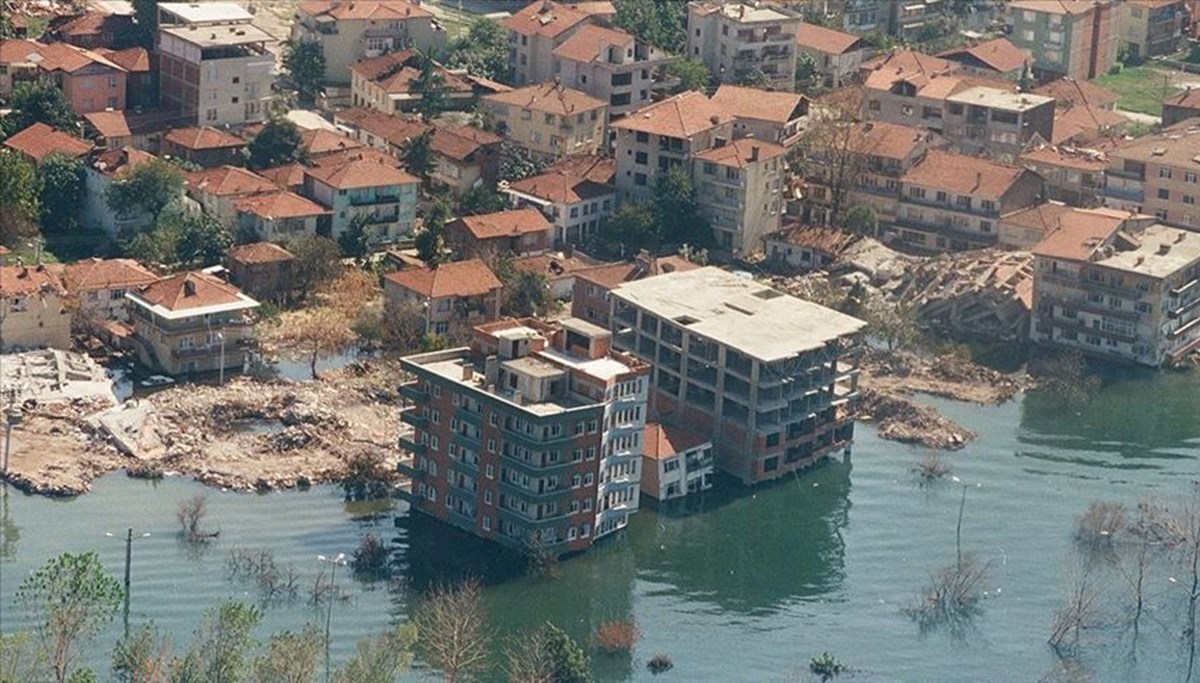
x,y
752,551
10,533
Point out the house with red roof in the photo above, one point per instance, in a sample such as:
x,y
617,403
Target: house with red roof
x,y
204,146
17,63
92,29
776,117
142,128
218,190
98,286
549,120
386,196
739,186
675,462
576,195
837,55
38,141
33,308
453,297
141,80
191,322
611,65
89,80
385,83
280,216
263,270
465,157
537,29
519,232
349,32
997,58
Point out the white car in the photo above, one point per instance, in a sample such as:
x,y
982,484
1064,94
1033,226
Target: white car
x,y
156,381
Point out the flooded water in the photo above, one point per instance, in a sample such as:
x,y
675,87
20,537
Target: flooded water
x,y
749,586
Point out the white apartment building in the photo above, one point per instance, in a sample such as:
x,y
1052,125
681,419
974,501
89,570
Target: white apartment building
x,y
610,65
740,42
740,189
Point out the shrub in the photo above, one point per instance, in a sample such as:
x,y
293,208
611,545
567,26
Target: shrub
x,y
826,666
659,663
617,636
1096,527
372,558
932,467
190,514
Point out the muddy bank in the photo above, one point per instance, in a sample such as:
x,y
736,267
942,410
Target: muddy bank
x,y
902,420
244,435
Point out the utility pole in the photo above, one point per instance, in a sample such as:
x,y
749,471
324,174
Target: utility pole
x,y
128,561
333,562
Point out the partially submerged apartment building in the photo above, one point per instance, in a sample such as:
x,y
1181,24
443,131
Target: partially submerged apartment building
x,y
740,40
1119,288
531,436
770,378
213,63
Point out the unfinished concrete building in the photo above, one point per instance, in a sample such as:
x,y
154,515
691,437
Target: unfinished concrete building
x,y
770,378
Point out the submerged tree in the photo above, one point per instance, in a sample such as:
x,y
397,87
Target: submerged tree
x,y
452,631
221,646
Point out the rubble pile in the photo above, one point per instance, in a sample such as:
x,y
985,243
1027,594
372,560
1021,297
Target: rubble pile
x,y
946,376
983,294
899,419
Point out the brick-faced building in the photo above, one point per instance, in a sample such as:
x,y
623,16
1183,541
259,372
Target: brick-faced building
x,y
533,434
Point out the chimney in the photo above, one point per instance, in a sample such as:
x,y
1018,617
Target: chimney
x,y
1164,249
468,372
189,287
978,180
569,251
754,153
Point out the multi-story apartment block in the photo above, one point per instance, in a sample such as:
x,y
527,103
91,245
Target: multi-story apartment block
x,y
865,164
777,117
837,55
910,88
1075,38
280,216
1072,175
744,42
770,378
213,63
1117,289
351,31
190,322
1157,175
386,195
953,202
676,462
98,286
1152,28
453,296
610,65
664,135
859,16
549,120
385,83
33,309
999,123
906,19
997,58
90,81
576,195
739,186
539,27
531,437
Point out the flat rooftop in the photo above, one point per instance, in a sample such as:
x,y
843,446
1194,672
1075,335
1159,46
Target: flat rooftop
x,y
1149,258
206,12
451,365
220,35
995,98
739,312
748,12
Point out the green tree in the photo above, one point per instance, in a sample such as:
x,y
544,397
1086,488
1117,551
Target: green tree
x,y
304,62
571,662
430,84
516,162
808,75
479,200
220,646
658,22
677,211
452,631
39,101
525,293
355,240
418,156
153,246
860,220
692,75
6,28
381,659
289,658
143,656
431,241
69,599
318,261
631,229
1026,83
483,51
150,187
60,189
753,77
18,198
277,144
21,660
145,12
203,239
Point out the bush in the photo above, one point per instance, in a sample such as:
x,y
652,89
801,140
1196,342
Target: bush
x,y
190,514
932,467
1096,527
617,636
659,663
367,477
826,666
372,558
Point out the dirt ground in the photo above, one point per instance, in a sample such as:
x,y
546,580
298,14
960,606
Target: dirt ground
x,y
244,435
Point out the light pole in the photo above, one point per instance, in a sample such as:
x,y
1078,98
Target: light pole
x,y
333,562
128,557
221,378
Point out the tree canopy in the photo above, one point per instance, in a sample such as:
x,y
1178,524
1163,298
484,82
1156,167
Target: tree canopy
x,y
355,240
19,202
659,22
60,189
318,261
430,84
146,14
481,199
677,211
516,162
39,101
431,241
418,155
277,144
150,187
483,51
180,238
692,75
304,62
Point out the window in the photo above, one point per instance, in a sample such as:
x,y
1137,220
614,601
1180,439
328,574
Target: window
x,y
571,533
1164,173
490,471
487,497
985,226
493,419
589,479
906,110
1164,193
641,158
639,179
1189,177
671,465
487,523
576,480
873,105
435,417
491,446
1189,199
642,137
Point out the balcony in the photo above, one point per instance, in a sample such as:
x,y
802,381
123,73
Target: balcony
x,y
974,209
410,416
1124,193
374,199
410,471
413,447
414,391
521,491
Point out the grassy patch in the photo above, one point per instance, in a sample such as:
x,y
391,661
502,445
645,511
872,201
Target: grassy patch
x,y
1141,88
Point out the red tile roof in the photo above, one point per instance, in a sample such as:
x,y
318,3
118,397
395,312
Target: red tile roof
x,y
762,105
612,275
827,40
395,72
1083,122
278,205
68,58
358,154
190,290
741,153
1078,233
114,273
321,141
1189,98
1053,6
118,162
962,174
890,140
361,173
821,238
90,23
506,224
132,59
586,43
549,98
560,187
681,116
21,280
377,10
1080,159
455,279
286,177
546,18
555,265
883,71
225,181
39,140
203,137
1066,91
666,441
460,142
259,252
394,129
999,55
595,168
109,124
18,50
